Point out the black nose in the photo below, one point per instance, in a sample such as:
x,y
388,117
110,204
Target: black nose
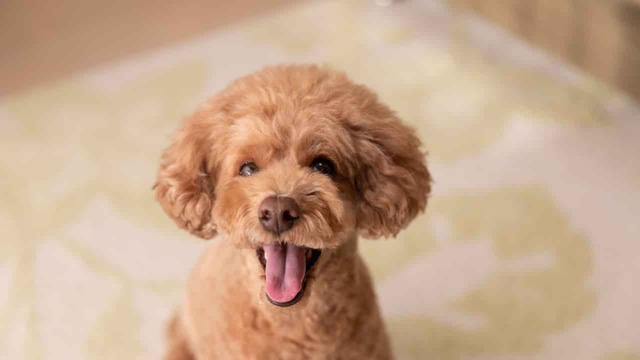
x,y
278,213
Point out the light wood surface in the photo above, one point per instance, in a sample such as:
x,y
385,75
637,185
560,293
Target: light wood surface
x,y
42,40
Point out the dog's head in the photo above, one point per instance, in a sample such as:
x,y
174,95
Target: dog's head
x,y
289,161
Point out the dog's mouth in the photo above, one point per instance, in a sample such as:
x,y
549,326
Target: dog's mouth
x,y
286,267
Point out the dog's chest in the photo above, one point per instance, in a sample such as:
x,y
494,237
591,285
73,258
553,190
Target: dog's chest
x,y
315,334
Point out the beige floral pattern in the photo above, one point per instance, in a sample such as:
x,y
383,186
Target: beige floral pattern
x,y
528,249
535,282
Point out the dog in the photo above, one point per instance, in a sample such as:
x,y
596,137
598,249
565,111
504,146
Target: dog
x,y
289,165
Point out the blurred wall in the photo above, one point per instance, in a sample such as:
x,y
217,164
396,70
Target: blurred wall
x,y
42,40
600,36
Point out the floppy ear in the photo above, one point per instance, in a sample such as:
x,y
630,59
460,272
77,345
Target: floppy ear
x,y
186,179
393,181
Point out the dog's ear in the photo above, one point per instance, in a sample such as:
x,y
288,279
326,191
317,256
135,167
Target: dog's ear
x,y
186,179
393,182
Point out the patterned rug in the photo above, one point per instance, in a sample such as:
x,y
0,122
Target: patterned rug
x,y
530,248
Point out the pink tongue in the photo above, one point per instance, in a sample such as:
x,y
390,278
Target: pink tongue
x,y
284,271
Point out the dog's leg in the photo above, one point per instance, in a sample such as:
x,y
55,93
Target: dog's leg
x,y
177,345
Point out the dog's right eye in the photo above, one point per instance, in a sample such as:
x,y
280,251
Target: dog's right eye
x,y
323,166
248,169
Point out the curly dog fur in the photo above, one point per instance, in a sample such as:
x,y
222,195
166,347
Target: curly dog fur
x,y
281,120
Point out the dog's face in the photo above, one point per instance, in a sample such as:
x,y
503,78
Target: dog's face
x,y
290,161
286,178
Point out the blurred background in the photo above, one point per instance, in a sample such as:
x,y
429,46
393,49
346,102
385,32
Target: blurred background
x,y
529,249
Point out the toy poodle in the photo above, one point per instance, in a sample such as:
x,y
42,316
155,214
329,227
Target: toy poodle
x,y
289,165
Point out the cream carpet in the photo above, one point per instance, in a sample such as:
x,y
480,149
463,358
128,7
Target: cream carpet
x,y
530,248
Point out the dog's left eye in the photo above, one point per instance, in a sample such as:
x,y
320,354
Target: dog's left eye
x,y
323,166
248,169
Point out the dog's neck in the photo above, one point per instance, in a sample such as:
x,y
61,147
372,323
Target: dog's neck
x,y
339,299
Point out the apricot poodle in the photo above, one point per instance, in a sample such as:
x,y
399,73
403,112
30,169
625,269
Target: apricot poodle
x,y
288,165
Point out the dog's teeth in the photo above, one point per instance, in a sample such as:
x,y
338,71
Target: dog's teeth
x,y
265,255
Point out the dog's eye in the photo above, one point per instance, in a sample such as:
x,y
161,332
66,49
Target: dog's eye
x,y
323,166
248,169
